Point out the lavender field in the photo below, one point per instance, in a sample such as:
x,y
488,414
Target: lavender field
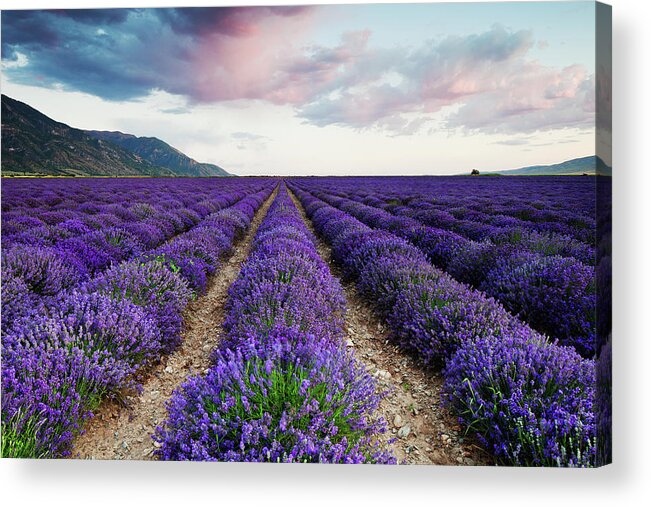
x,y
444,320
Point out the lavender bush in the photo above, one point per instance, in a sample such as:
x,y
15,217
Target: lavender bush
x,y
556,295
529,401
287,401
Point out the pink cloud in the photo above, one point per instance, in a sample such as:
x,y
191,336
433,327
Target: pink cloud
x,y
487,76
265,63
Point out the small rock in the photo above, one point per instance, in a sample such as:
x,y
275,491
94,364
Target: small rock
x,y
207,348
125,446
157,445
445,437
169,369
437,456
147,452
140,440
459,459
349,343
397,421
404,431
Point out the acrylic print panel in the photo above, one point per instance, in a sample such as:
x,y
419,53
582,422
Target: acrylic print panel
x,y
325,234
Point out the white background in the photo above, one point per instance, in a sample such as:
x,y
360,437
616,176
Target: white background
x,y
626,482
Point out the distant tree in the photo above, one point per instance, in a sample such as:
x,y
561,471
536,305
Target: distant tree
x,y
475,172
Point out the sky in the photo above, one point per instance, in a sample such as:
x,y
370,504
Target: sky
x,y
333,89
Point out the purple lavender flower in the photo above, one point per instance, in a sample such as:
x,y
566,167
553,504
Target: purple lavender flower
x,y
151,285
556,295
530,401
306,402
45,271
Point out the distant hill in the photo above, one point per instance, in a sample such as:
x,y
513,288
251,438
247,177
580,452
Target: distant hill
x,y
34,144
159,153
577,166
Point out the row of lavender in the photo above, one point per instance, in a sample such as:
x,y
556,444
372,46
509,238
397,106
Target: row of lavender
x,y
495,228
479,208
82,239
71,349
48,213
283,387
537,277
531,402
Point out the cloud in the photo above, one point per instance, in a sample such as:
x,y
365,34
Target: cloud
x,y
18,60
231,21
249,140
92,16
483,80
476,82
177,110
513,142
124,54
248,136
536,99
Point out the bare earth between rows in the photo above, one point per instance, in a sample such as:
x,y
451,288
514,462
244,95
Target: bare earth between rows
x,y
124,432
421,431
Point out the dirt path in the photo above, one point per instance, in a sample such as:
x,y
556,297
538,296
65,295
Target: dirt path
x,y
124,432
424,432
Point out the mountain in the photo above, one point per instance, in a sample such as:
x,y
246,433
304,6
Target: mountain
x,y
577,167
33,143
159,153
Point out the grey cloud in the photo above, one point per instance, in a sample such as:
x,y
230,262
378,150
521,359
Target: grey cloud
x,y
513,142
